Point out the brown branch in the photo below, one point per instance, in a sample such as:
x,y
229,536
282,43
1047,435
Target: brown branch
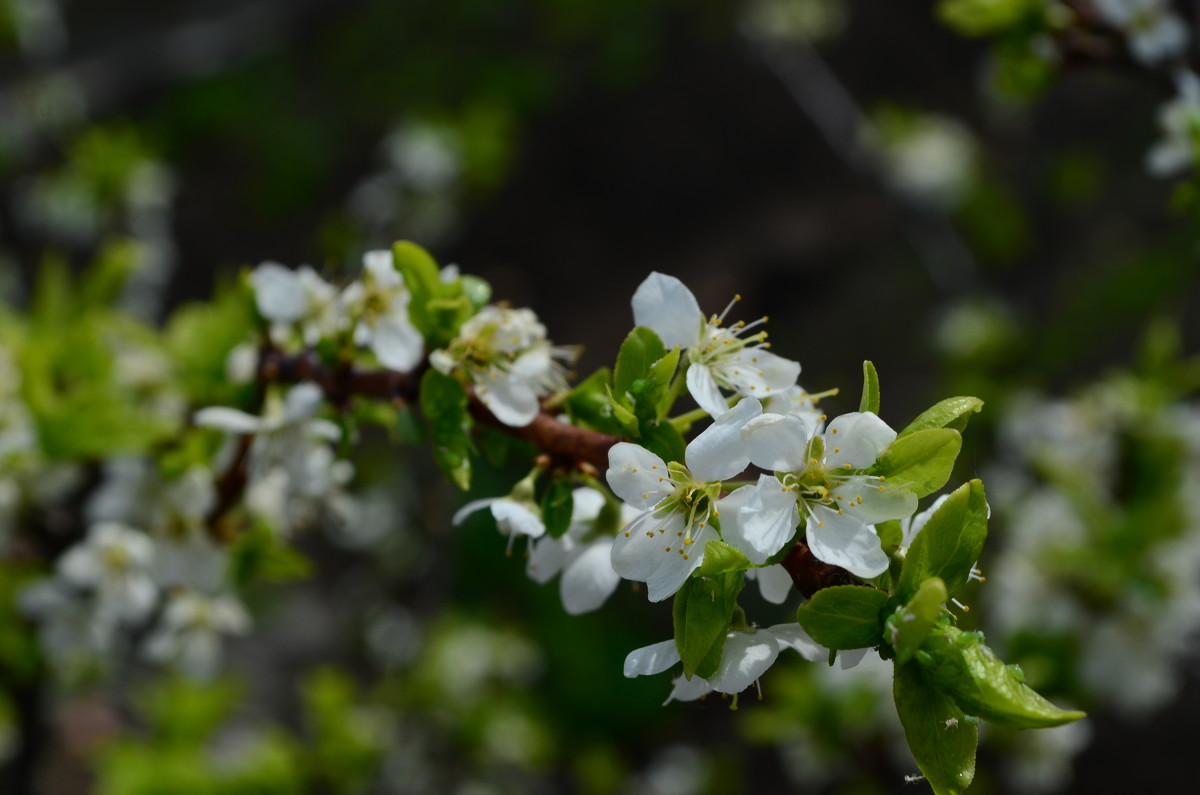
x,y
571,444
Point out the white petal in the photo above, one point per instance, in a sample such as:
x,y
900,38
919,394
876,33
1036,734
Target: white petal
x,y
663,304
765,522
636,475
227,419
379,264
794,637
758,372
278,292
719,452
777,442
586,504
688,689
514,517
704,390
856,439
511,398
775,583
844,541
652,659
653,550
546,559
589,579
872,502
301,401
848,658
81,565
746,657
471,507
397,343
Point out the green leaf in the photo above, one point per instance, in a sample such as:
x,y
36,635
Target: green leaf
x,y
949,544
557,504
663,439
922,461
909,626
702,612
639,352
949,413
625,420
444,402
260,554
844,616
940,736
423,280
960,664
720,558
870,391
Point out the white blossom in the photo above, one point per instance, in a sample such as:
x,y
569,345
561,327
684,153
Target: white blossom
x,y
507,357
1153,31
582,555
513,517
1180,123
190,629
821,479
718,357
114,563
665,543
379,302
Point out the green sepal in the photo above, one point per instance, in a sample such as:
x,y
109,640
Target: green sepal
x,y
844,616
922,461
640,350
721,558
557,504
949,544
702,611
870,391
952,412
444,403
661,438
891,534
941,738
908,627
477,291
960,664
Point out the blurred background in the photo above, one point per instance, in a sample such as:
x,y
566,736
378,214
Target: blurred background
x,y
853,169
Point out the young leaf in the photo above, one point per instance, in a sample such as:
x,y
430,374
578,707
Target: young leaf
x,y
702,611
557,504
940,737
640,350
870,392
588,404
950,542
720,558
908,627
444,402
960,665
922,461
625,420
949,413
844,616
423,280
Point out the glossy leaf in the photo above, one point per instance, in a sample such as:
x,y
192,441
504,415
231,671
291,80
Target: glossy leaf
x,y
721,558
950,543
941,739
870,390
949,413
444,403
844,616
702,612
640,350
908,627
557,505
922,461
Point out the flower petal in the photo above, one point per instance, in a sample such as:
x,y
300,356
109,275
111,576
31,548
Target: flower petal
x,y
397,343
719,452
278,293
688,689
654,549
856,439
547,558
652,659
637,476
774,582
589,579
758,372
667,307
871,501
227,419
777,442
765,522
794,637
844,541
746,657
471,507
511,398
704,390
514,517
